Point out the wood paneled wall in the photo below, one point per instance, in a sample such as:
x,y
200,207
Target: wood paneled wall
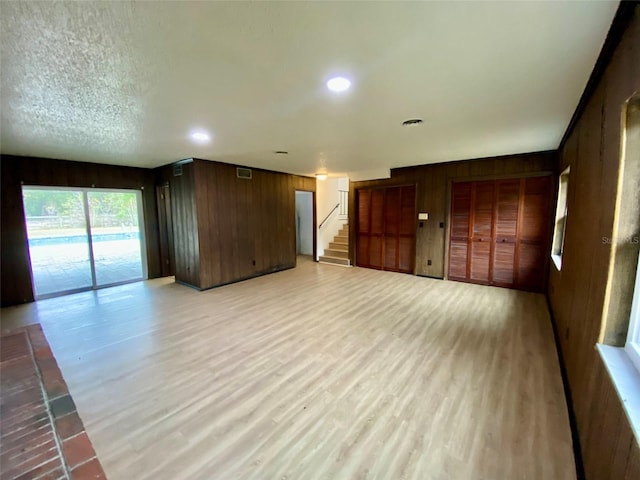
x,y
228,228
15,267
592,149
433,183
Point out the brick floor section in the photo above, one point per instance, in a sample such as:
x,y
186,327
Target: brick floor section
x,y
41,435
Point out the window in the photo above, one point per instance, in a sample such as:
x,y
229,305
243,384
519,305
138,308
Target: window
x,y
621,315
632,347
81,238
561,219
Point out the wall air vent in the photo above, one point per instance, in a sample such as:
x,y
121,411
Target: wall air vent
x,y
244,173
177,170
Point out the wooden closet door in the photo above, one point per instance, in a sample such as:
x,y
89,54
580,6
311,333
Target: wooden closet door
x,y
364,227
460,235
534,234
376,235
506,232
500,232
391,228
482,232
386,228
407,230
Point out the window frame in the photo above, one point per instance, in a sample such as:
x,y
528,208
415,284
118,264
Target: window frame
x,y
562,210
632,345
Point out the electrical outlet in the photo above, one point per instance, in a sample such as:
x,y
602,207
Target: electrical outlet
x,y
428,262
441,224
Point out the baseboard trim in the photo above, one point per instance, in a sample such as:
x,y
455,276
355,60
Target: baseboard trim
x,y
573,424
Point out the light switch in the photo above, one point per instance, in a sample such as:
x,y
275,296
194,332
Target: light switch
x,y
423,216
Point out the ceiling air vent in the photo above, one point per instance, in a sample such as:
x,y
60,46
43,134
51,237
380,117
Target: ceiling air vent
x,y
243,173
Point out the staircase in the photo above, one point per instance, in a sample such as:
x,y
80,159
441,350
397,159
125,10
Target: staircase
x,y
338,251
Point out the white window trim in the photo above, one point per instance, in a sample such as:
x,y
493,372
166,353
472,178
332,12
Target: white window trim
x,y
561,211
623,364
632,347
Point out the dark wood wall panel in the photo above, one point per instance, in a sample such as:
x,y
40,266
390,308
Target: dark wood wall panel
x,y
15,266
592,149
432,196
185,227
233,228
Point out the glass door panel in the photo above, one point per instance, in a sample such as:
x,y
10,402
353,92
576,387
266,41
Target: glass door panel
x,y
58,240
115,236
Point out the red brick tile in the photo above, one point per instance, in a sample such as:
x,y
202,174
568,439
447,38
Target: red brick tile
x,y
27,436
62,406
69,425
14,346
13,467
77,450
42,353
55,387
21,431
89,471
50,470
38,436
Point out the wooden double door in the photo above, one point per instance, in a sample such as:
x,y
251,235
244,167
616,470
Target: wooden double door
x,y
500,232
386,229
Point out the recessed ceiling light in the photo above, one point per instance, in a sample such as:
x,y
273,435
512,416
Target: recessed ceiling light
x,y
200,136
412,121
338,84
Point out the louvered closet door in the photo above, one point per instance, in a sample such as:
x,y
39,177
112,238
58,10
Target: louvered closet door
x,y
460,233
364,228
376,235
386,228
500,232
482,228
506,232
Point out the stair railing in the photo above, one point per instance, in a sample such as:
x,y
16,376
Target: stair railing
x,y
328,215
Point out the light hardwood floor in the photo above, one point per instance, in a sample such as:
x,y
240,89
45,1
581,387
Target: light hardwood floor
x,y
318,372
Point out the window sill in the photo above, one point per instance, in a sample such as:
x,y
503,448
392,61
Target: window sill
x,y
626,380
557,261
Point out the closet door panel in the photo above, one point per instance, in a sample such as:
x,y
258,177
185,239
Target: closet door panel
x,y
459,232
483,211
506,230
503,264
390,253
364,211
362,251
406,255
482,231
531,267
458,253
386,228
480,253
533,242
408,211
375,252
499,233
377,212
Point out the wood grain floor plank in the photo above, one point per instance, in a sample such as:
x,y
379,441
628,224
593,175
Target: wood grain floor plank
x,y
317,372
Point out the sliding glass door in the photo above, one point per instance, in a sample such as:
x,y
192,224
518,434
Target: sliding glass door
x,y
81,239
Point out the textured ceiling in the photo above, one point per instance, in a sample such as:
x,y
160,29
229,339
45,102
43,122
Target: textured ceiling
x,y
125,82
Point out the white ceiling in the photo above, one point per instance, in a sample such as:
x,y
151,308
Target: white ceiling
x,y
125,82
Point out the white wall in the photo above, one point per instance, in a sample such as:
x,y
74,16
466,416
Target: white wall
x,y
304,223
327,197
